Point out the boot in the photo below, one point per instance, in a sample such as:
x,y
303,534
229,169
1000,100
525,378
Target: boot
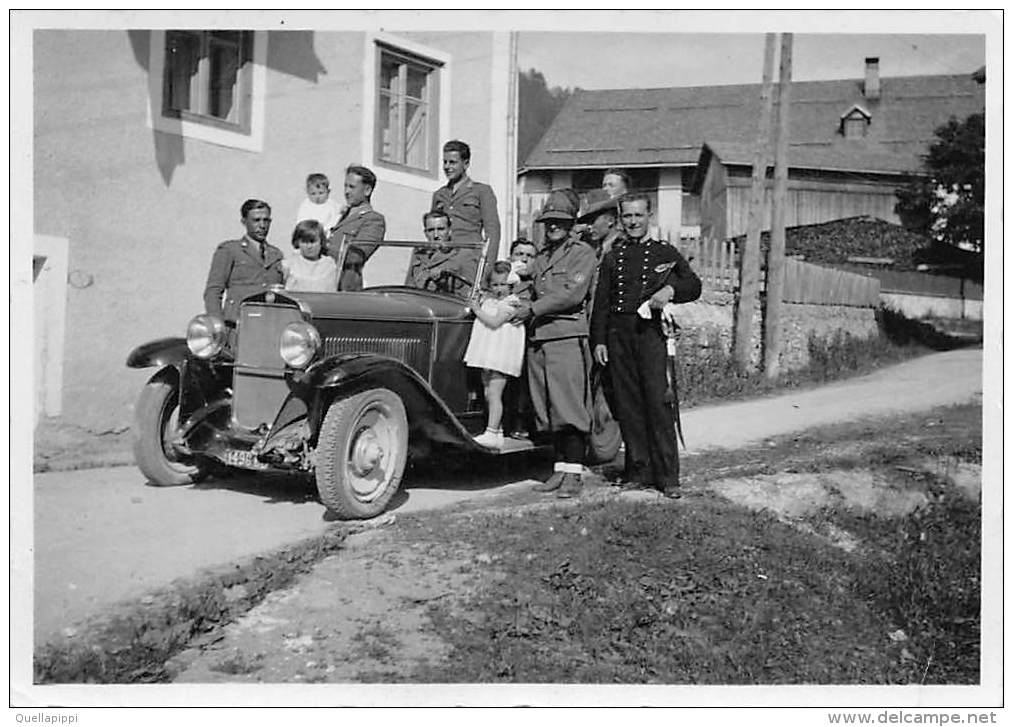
x,y
551,484
570,486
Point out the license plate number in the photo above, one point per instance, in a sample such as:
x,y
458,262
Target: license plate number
x,y
242,458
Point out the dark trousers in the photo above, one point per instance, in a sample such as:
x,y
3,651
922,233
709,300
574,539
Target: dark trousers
x,y
636,367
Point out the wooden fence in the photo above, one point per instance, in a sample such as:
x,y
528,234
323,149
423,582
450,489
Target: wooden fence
x,y
808,283
717,264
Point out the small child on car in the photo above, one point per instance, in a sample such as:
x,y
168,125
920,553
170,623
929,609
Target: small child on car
x,y
496,346
312,270
318,205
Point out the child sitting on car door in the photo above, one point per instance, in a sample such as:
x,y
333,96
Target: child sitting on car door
x,y
496,346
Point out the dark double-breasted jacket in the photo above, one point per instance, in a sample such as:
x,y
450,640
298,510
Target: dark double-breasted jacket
x,y
631,272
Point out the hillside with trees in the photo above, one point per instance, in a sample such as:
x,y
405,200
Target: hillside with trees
x,y
537,108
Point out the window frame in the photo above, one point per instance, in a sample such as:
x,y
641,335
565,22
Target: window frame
x,y
407,60
204,81
440,93
247,131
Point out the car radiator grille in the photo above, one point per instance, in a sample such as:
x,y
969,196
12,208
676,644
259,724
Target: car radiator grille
x,y
258,383
411,351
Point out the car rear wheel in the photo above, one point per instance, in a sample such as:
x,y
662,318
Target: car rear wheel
x,y
155,426
361,453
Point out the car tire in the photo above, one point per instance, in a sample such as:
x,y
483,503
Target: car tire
x,y
605,439
155,421
361,453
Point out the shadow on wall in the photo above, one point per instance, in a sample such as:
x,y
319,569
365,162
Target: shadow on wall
x,y
289,52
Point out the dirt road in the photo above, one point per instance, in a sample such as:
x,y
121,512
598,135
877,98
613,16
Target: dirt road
x,y
102,536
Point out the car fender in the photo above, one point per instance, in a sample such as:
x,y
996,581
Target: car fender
x,y
346,374
163,352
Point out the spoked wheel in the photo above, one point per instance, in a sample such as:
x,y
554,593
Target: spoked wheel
x,y
156,425
361,453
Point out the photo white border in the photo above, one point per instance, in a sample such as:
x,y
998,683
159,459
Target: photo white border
x,y
32,698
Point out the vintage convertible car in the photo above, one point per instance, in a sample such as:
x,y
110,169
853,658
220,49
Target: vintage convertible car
x,y
343,386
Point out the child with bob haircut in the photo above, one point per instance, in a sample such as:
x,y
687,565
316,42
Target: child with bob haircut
x,y
312,270
496,346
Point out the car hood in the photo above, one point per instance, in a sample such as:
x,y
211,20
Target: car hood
x,y
387,303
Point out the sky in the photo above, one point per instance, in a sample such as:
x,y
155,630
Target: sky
x,y
596,60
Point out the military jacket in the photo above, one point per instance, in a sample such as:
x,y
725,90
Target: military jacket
x,y
472,209
452,271
360,223
631,272
237,270
560,283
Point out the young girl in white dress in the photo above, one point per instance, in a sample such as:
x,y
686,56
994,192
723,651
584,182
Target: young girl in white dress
x,y
496,346
312,270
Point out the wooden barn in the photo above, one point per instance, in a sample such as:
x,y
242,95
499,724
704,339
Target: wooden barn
x,y
852,142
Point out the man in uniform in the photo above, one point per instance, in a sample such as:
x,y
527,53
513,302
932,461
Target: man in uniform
x,y
438,267
360,223
470,205
245,266
558,356
638,278
600,216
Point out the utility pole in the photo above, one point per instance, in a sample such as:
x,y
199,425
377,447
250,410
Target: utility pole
x,y
510,213
775,261
749,260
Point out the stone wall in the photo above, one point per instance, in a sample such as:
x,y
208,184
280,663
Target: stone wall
x,y
709,322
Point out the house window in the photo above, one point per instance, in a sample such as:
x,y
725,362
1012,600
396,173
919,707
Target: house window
x,y
855,127
407,113
207,77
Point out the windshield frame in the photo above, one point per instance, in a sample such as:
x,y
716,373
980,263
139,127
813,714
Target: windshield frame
x,y
414,245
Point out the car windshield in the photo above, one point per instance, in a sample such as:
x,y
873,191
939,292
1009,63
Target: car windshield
x,y
452,268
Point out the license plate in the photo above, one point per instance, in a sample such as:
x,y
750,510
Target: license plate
x,y
242,458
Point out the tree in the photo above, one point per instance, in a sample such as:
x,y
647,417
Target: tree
x,y
537,108
948,202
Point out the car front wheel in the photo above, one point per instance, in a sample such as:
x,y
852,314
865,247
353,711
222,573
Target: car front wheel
x,y
155,426
361,453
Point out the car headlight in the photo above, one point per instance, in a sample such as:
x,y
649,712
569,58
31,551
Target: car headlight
x,y
299,344
205,335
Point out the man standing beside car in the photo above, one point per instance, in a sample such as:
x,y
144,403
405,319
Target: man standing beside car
x,y
638,279
558,357
360,224
245,266
470,205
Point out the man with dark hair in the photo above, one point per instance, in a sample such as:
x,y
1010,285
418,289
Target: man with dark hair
x,y
470,205
360,224
437,266
245,266
558,356
638,280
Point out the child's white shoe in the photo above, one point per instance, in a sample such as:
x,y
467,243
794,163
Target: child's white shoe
x,y
492,440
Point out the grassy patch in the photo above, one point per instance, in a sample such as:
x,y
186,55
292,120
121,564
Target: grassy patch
x,y
625,593
706,592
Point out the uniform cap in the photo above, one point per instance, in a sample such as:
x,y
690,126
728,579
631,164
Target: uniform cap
x,y
561,205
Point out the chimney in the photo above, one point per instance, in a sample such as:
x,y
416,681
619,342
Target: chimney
x,y
872,78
